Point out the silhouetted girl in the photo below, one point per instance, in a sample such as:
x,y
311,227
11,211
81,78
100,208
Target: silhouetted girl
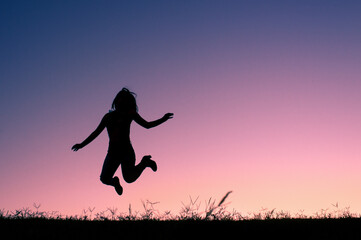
x,y
120,151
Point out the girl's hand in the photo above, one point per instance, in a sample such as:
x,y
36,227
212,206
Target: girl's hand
x,y
76,147
168,116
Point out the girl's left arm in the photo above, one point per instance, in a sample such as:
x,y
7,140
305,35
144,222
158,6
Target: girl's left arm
x,y
138,119
92,136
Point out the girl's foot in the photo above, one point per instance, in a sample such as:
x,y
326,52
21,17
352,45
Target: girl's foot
x,y
117,186
150,163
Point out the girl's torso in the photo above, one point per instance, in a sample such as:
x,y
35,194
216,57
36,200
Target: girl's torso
x,y
118,127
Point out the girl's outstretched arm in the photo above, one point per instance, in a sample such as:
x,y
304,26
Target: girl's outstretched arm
x,y
138,119
92,136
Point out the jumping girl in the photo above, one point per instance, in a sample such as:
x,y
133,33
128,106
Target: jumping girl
x,y
120,151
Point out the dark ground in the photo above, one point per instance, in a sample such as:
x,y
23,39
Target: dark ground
x,y
250,229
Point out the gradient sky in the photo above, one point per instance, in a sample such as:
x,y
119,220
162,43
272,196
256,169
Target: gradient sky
x,y
266,96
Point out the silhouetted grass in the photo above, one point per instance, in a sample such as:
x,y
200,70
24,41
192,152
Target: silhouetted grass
x,y
214,221
189,211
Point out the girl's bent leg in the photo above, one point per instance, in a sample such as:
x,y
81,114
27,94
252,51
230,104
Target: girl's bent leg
x,y
131,172
110,166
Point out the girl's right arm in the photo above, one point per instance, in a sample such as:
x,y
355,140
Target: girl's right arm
x,y
92,136
138,119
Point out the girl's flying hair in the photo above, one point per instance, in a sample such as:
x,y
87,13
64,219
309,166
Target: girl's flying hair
x,y
125,101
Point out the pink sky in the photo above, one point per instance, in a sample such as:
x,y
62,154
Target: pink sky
x,y
266,99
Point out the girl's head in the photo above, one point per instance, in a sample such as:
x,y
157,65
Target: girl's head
x,y
125,101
